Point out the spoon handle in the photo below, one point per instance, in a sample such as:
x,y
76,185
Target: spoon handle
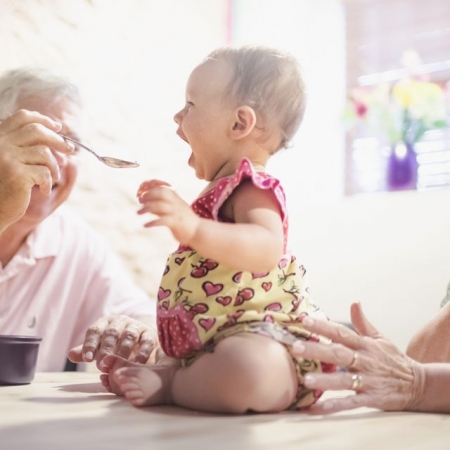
x,y
67,138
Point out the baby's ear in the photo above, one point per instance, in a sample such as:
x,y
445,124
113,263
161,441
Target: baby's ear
x,y
245,122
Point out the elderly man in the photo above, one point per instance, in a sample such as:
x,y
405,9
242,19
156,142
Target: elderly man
x,y
58,278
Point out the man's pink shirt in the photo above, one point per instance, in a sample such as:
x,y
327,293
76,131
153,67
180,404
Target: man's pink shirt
x,y
62,279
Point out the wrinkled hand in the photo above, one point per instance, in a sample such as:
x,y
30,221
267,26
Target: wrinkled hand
x,y
119,335
158,198
389,378
26,160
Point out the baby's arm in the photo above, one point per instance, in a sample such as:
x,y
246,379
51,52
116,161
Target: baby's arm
x,y
253,243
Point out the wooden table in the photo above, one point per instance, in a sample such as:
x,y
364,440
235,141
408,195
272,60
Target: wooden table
x,y
72,411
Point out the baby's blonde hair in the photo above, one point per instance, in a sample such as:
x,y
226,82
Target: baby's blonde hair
x,y
269,81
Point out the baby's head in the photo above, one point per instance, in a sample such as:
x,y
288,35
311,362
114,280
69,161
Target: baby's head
x,y
269,81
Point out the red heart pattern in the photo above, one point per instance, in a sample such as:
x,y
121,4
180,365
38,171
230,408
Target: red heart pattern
x,y
211,288
163,293
207,324
224,301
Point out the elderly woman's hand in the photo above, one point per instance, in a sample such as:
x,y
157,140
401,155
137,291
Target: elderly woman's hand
x,y
29,146
379,373
118,335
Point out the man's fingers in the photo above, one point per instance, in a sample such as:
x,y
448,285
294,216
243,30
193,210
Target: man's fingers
x,y
115,335
37,134
93,339
129,338
28,128
144,348
75,354
24,117
111,337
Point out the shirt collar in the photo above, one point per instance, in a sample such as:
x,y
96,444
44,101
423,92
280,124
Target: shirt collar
x,y
44,241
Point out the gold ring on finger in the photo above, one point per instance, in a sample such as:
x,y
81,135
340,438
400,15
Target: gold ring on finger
x,y
357,382
352,365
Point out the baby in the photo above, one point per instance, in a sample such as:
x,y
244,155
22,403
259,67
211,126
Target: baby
x,y
232,298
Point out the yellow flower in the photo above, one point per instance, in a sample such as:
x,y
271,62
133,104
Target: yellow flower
x,y
401,112
410,93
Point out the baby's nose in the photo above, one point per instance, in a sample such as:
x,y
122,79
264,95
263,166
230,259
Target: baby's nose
x,y
177,117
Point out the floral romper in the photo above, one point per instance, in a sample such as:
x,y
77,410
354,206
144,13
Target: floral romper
x,y
201,302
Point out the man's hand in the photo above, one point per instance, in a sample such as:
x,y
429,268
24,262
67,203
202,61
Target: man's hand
x,y
28,157
119,335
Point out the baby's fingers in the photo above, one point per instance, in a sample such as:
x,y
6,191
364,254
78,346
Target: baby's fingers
x,y
150,184
155,223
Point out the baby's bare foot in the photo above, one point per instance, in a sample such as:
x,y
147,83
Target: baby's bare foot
x,y
146,385
108,365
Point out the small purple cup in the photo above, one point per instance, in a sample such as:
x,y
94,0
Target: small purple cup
x,y
18,357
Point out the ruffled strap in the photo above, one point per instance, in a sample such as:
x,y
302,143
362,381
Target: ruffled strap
x,y
262,180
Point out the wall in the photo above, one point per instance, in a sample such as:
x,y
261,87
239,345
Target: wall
x,y
389,251
131,59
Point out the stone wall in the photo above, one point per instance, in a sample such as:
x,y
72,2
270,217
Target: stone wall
x,y
131,59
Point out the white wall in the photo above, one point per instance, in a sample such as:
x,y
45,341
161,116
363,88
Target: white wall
x,y
312,31
389,251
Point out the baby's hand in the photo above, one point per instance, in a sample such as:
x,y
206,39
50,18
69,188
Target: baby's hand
x,y
147,185
158,198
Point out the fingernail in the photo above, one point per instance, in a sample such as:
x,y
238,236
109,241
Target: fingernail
x,y
308,321
298,347
71,145
328,405
89,356
310,380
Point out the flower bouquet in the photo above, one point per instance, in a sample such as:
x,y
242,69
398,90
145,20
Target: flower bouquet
x,y
398,114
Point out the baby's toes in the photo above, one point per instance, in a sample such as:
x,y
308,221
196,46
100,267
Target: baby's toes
x,y
104,379
107,363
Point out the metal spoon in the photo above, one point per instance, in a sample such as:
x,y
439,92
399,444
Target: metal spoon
x,y
108,160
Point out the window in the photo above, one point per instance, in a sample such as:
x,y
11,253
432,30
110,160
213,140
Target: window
x,y
378,33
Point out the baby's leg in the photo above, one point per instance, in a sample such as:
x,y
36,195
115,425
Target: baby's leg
x,y
246,372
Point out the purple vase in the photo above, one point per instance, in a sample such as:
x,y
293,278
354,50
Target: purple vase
x,y
402,167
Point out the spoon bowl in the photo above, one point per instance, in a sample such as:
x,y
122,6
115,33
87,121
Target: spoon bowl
x,y
108,160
